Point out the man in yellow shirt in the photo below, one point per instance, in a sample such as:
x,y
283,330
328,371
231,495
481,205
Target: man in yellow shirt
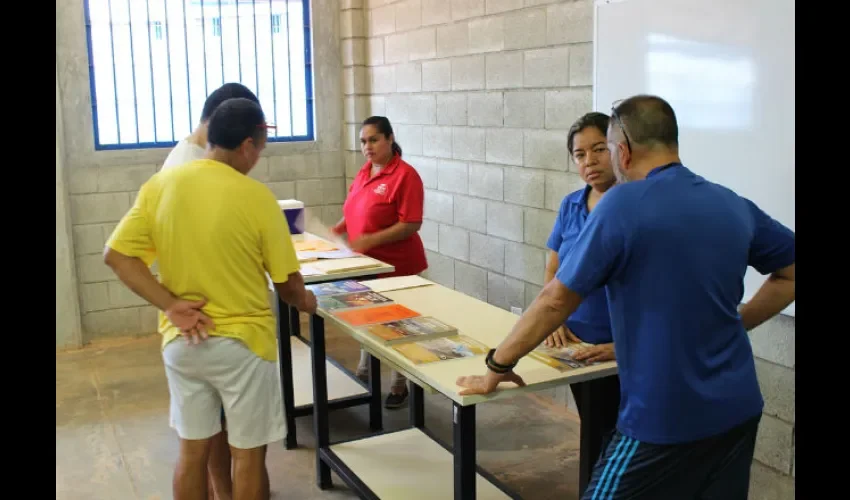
x,y
216,233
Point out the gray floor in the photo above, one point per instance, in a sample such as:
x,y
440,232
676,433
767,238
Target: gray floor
x,y
113,440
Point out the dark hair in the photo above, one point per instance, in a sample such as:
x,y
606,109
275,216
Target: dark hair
x,y
593,119
234,121
227,91
384,127
647,120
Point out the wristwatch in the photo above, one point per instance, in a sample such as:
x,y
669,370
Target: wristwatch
x,y
497,367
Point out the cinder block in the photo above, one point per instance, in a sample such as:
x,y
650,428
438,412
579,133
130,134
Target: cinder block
x,y
99,207
454,242
534,3
774,341
531,293
353,51
468,73
778,388
129,178
290,168
331,214
451,107
452,176
581,64
437,75
333,191
768,484
260,171
569,22
94,297
356,108
331,164
355,80
82,180
351,137
538,226
486,34
524,109
354,161
504,221
564,107
468,143
88,239
471,280
558,185
439,206
547,67
504,70
429,232
377,105
112,323
523,29
470,213
485,109
408,77
310,192
121,296
464,9
505,292
375,51
453,40
422,44
545,149
283,190
351,4
437,142
486,251
409,138
486,181
381,20
441,269
352,23
774,443
525,262
504,145
408,15
395,48
524,186
436,12
427,168
149,318
382,79
413,109
497,6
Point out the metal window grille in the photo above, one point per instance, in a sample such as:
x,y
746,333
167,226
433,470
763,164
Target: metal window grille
x,y
152,64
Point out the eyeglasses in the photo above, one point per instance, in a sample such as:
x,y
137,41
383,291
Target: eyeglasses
x,y
619,121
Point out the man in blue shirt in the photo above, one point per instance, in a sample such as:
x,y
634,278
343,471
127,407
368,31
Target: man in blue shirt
x,y
672,249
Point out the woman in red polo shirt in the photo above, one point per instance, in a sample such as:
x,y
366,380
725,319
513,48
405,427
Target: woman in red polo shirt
x,y
382,216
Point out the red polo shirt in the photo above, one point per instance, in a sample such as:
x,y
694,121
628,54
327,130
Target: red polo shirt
x,y
396,194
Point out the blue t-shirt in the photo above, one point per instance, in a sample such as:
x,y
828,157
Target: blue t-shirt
x,y
672,251
590,322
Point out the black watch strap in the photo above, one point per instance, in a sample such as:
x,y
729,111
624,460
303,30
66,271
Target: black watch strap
x,y
492,365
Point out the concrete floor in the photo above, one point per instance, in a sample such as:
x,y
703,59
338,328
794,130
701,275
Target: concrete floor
x,y
113,440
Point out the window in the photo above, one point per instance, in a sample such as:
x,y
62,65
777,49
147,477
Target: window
x,y
153,63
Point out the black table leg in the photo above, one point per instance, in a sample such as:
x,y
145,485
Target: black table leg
x,y
375,416
284,351
464,451
320,399
294,322
591,431
417,406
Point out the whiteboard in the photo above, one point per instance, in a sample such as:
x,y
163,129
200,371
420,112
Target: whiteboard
x,y
727,68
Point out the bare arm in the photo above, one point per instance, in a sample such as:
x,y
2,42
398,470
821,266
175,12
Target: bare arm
x,y
551,267
292,292
777,293
138,278
339,227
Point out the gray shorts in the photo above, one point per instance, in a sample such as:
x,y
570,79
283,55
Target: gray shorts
x,y
223,373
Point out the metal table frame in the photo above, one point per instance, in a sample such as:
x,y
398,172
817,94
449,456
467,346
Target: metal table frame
x,y
463,447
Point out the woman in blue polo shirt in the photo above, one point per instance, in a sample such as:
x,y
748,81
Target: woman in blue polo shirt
x,y
590,323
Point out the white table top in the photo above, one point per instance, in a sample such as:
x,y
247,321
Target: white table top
x,y
481,321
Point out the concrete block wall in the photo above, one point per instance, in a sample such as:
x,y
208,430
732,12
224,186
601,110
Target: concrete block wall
x,y
102,185
481,94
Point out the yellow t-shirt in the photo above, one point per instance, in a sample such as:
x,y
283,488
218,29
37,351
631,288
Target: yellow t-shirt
x,y
215,233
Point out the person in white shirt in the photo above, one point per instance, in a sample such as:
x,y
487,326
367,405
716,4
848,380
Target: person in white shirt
x,y
193,147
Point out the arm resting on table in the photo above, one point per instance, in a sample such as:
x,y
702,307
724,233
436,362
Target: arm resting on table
x,y
777,293
133,272
292,291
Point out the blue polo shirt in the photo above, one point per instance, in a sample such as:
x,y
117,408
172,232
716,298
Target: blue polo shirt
x,y
672,251
590,322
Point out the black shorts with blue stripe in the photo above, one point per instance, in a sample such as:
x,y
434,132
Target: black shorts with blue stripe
x,y
714,468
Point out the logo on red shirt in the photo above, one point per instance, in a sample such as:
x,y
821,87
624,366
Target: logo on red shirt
x,y
381,189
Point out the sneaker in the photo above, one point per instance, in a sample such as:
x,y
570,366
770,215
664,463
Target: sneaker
x,y
396,400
